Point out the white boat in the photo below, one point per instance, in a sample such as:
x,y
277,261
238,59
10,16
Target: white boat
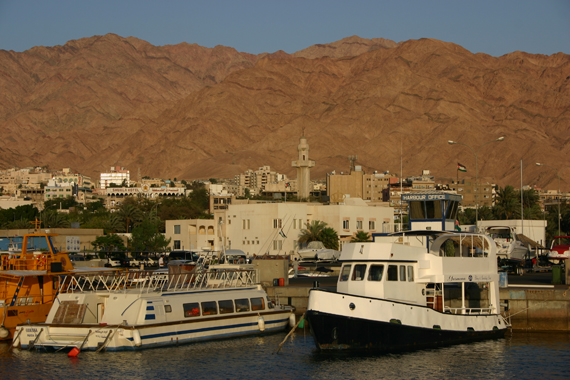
x,y
509,248
411,290
559,250
316,250
137,310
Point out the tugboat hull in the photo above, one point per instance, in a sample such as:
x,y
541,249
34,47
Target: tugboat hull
x,y
337,332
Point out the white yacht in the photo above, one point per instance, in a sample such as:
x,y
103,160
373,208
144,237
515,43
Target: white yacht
x,y
412,290
509,248
316,250
137,310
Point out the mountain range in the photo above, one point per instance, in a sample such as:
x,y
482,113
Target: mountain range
x,y
188,112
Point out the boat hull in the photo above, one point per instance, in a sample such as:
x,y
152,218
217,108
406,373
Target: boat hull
x,y
356,323
53,337
356,334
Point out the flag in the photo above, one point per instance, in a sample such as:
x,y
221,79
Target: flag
x,y
282,234
461,168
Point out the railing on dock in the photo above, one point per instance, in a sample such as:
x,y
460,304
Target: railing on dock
x,y
152,281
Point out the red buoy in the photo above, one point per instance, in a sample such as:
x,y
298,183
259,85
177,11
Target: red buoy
x,y
74,352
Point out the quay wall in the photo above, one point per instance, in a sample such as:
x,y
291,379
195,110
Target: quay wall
x,y
528,309
537,309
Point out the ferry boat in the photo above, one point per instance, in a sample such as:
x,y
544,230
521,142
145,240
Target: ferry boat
x,y
410,290
137,310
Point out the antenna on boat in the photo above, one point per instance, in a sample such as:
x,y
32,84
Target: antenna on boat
x,y
37,224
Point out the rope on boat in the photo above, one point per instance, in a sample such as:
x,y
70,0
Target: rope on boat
x,y
107,340
290,332
33,344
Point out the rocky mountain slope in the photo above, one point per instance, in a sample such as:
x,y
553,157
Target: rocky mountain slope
x,y
186,111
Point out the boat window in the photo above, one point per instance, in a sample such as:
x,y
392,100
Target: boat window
x,y
402,273
269,303
226,306
375,273
242,305
358,273
191,309
345,272
257,304
410,273
167,308
209,308
392,273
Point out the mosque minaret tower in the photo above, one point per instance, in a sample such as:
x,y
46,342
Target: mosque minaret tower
x,y
303,165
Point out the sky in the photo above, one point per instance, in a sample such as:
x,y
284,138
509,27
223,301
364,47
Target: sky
x,y
494,27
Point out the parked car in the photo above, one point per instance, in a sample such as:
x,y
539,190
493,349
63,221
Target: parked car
x,y
126,262
183,255
74,258
113,262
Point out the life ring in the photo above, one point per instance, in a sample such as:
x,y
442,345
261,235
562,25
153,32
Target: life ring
x,y
42,261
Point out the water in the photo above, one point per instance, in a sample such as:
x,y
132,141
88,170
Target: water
x,y
520,356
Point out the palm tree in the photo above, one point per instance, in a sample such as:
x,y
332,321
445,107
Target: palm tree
x,y
130,215
318,231
360,236
312,232
329,238
508,203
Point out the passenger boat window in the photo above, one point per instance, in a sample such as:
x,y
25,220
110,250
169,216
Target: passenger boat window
x,y
242,305
392,273
167,308
410,273
191,309
226,306
402,273
345,272
257,304
358,273
209,308
375,273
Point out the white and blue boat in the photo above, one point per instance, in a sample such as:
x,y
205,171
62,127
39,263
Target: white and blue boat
x,y
138,310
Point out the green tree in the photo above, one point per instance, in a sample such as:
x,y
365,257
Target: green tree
x,y
317,230
131,216
507,205
108,244
54,219
146,237
360,236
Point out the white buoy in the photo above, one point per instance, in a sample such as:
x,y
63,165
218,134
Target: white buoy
x,y
137,338
261,323
4,332
292,321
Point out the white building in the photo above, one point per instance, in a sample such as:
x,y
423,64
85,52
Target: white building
x,y
114,176
274,228
193,235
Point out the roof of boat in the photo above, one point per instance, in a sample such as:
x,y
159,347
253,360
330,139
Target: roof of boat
x,y
23,273
415,233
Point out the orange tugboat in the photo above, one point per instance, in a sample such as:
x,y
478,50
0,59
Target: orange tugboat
x,y
30,281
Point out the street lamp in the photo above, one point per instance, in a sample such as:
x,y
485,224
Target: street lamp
x,y
476,173
558,175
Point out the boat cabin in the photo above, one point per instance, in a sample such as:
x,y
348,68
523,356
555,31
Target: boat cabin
x,y
454,273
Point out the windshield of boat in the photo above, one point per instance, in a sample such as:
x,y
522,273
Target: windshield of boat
x,y
316,245
561,240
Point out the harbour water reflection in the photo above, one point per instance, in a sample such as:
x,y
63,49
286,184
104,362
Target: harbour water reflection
x,y
521,356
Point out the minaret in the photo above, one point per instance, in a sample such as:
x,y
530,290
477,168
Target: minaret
x,y
303,165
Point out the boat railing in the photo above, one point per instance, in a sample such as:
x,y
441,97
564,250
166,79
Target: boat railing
x,y
469,310
149,281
